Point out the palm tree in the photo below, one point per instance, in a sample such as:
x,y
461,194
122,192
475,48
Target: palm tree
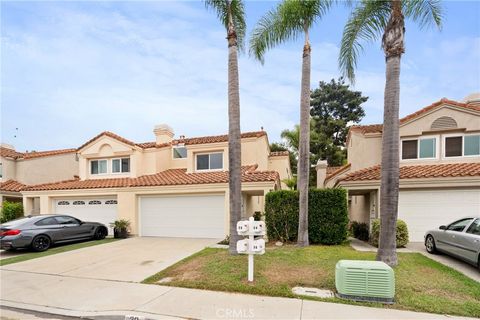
x,y
289,20
368,21
231,14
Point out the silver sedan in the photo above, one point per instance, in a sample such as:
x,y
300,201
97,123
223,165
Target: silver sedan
x,y
460,239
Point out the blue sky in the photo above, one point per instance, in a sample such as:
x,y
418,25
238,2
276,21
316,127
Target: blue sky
x,y
70,70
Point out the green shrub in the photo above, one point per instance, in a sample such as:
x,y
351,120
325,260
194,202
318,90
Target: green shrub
x,y
327,217
11,211
402,233
281,215
359,230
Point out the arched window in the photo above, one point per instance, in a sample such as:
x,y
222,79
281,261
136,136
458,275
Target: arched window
x,y
111,202
94,202
78,202
63,203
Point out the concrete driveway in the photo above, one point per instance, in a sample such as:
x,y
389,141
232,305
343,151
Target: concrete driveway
x,y
130,260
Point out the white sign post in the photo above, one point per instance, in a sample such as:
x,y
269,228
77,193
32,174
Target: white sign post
x,y
250,246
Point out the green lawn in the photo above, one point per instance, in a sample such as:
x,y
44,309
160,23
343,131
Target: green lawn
x,y
27,255
421,283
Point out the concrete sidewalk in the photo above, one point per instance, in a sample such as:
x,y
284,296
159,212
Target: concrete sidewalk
x,y
93,298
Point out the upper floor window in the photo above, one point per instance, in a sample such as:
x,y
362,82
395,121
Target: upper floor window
x,y
98,166
121,165
179,152
210,161
423,148
462,145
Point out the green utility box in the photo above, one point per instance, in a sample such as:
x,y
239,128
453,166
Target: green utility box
x,y
365,281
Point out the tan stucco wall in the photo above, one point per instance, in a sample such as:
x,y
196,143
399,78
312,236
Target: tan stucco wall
x,y
359,208
47,169
9,170
281,164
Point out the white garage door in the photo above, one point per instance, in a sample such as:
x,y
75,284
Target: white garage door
x,y
424,210
183,216
102,210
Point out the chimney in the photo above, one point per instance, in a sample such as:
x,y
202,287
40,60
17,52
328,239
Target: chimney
x,y
163,133
7,146
321,168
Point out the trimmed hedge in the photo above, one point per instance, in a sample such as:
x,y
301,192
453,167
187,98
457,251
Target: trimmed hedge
x,y
359,230
327,216
402,233
11,211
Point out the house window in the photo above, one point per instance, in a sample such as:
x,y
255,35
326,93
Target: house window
x,y
98,166
78,203
425,148
63,203
453,147
179,152
458,146
210,161
111,202
121,165
93,202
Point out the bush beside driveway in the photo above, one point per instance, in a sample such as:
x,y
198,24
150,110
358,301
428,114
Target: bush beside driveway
x,y
421,284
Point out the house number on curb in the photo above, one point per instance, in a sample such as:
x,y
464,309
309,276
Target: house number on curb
x,y
249,245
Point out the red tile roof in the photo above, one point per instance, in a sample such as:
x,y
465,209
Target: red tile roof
x,y
377,128
201,140
279,153
165,178
5,152
337,171
10,153
11,186
450,170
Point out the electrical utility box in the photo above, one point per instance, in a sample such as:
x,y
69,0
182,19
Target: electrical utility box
x,y
365,281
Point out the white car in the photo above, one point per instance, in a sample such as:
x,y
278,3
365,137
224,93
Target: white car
x,y
460,239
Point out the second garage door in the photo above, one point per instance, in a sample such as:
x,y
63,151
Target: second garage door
x,y
200,216
425,210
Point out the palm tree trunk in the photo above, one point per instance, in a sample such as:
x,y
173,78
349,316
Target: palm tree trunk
x,y
303,169
234,139
393,46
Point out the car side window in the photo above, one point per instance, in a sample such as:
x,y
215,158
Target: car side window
x,y
66,220
474,227
46,222
459,225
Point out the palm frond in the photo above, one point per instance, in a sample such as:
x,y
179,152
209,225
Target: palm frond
x,y
425,12
237,10
366,23
286,22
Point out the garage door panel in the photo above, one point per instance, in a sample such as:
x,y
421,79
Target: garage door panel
x,y
200,216
425,210
103,213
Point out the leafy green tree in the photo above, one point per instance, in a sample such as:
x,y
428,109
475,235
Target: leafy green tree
x,y
289,20
231,14
369,20
334,107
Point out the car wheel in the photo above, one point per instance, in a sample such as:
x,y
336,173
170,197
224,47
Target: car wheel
x,y
100,234
430,244
41,243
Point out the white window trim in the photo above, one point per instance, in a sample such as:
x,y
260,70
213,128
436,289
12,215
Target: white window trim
x,y
176,147
99,174
463,135
121,172
437,148
209,170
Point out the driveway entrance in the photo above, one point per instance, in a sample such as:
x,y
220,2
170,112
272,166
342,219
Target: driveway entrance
x,y
130,260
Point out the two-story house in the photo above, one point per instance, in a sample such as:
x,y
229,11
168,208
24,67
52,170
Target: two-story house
x,y
168,187
439,167
19,169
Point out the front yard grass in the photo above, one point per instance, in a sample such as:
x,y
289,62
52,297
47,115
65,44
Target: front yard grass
x,y
28,255
421,283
